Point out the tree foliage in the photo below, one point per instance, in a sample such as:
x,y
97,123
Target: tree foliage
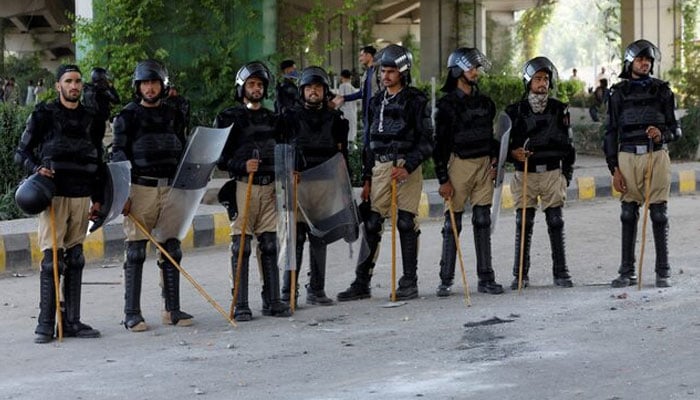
x,y
532,21
198,42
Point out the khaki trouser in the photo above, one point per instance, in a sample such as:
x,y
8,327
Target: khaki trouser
x,y
146,205
71,214
549,186
471,180
633,168
262,209
408,192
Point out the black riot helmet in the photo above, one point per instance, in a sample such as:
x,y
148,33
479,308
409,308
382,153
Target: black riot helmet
x,y
34,194
311,75
398,57
636,49
99,75
461,60
150,70
252,69
539,64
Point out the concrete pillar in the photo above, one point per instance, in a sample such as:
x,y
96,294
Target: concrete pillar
x,y
437,36
499,40
83,9
658,21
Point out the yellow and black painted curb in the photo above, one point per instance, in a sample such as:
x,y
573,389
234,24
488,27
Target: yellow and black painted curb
x,y
19,250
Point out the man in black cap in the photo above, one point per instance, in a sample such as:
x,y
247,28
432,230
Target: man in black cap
x,y
63,142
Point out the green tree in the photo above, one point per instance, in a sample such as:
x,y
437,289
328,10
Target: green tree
x,y
530,25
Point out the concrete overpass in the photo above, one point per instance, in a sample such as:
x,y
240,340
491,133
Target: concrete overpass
x,y
31,26
438,26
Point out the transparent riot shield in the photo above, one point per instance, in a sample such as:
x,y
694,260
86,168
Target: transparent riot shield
x,y
116,193
325,201
285,193
203,150
503,132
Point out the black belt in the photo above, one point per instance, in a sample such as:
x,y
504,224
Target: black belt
x,y
388,157
152,182
641,148
257,179
535,168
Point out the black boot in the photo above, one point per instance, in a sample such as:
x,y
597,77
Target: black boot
x,y
315,293
133,273
629,216
529,224
73,280
302,230
272,305
408,234
449,254
659,221
171,287
359,288
242,311
481,223
47,298
555,228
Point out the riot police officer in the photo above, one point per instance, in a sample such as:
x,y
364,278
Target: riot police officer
x,y
541,131
62,144
100,94
250,148
465,152
318,133
401,138
151,136
286,91
641,122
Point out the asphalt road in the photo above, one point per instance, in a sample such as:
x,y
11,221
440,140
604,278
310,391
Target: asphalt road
x,y
587,342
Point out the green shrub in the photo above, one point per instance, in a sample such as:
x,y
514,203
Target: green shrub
x,y
12,121
686,147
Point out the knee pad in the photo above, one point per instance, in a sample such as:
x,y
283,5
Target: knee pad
x,y
629,213
657,213
447,227
236,245
406,221
172,246
47,262
374,222
554,218
529,217
74,257
481,216
267,243
135,252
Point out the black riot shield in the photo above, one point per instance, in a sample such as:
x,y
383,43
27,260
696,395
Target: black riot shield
x,y
503,131
285,194
325,201
203,150
116,193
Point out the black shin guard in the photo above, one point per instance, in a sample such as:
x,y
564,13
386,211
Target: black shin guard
x,y
408,234
133,273
46,320
659,221
481,223
555,228
529,225
629,216
73,279
171,286
242,311
449,249
272,305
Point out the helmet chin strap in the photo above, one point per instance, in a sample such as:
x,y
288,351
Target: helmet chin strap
x,y
467,81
